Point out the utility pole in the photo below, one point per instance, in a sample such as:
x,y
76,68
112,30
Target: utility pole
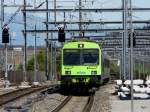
x,y
25,42
139,68
6,68
124,37
46,54
131,57
2,13
64,20
51,61
55,64
51,47
120,68
80,18
2,26
143,68
122,51
35,70
11,48
54,12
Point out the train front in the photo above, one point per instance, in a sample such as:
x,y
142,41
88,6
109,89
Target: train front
x,y
81,63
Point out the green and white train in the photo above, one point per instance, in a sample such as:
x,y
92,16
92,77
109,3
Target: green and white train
x,y
82,62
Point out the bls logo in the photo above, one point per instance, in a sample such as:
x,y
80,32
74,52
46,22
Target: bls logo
x,y
81,72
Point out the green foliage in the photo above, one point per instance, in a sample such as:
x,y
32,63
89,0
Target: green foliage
x,y
114,69
139,70
59,64
40,62
30,65
19,67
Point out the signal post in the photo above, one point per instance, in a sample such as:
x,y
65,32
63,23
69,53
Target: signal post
x,y
5,40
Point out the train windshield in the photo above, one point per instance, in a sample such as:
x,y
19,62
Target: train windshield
x,y
81,56
72,57
90,57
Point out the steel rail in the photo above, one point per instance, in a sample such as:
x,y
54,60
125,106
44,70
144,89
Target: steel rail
x,y
89,104
65,101
14,95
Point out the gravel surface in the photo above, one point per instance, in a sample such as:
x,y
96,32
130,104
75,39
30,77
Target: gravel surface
x,y
22,102
48,103
7,90
102,99
19,102
76,104
118,105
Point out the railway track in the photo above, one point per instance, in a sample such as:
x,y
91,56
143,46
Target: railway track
x,y
14,95
87,104
65,101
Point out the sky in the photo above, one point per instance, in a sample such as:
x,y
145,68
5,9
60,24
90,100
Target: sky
x,y
38,18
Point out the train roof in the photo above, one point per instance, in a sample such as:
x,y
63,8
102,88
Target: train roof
x,y
86,41
81,44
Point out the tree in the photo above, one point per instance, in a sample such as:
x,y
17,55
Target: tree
x,y
40,62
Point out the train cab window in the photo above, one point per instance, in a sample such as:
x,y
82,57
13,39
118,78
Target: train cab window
x,y
71,57
81,56
90,56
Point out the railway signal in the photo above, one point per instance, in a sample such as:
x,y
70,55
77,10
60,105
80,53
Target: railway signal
x,y
134,39
5,35
61,35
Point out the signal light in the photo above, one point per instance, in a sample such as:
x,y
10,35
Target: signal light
x,y
61,35
134,39
5,35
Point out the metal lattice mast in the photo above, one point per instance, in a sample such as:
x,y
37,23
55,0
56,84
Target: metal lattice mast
x,y
35,59
80,17
131,57
2,13
46,54
124,37
25,42
55,18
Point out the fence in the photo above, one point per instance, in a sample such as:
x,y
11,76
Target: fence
x,y
18,76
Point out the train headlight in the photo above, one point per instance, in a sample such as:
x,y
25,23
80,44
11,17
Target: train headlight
x,y
80,45
67,72
94,72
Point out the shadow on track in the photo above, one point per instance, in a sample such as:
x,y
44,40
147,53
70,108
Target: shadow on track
x,y
78,90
